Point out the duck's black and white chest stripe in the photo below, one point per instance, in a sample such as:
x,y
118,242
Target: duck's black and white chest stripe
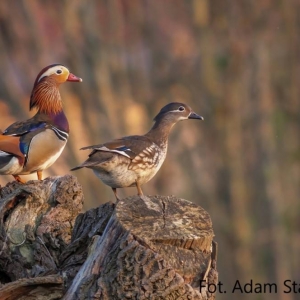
x,y
62,135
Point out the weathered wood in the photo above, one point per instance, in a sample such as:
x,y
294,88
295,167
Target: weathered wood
x,y
87,226
36,220
151,248
142,248
39,288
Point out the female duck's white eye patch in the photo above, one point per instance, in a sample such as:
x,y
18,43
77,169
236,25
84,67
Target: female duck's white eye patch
x,y
181,108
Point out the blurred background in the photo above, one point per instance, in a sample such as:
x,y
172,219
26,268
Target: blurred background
x,y
237,63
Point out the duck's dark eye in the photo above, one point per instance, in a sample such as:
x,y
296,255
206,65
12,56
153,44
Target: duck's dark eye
x,y
58,71
181,108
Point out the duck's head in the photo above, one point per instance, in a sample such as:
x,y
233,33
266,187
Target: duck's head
x,y
175,112
45,95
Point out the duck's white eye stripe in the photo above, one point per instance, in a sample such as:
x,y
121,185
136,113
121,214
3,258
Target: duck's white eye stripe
x,y
42,76
50,72
176,110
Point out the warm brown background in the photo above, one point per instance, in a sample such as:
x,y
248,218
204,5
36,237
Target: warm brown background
x,y
235,62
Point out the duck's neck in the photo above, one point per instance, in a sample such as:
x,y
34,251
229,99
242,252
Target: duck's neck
x,y
60,120
46,98
160,131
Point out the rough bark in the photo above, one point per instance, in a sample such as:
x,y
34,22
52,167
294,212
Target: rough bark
x,y
142,248
38,288
36,224
152,248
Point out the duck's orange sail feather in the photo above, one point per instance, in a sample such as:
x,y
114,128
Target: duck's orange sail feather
x,y
10,144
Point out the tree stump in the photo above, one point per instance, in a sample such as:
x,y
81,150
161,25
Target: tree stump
x,y
152,248
149,247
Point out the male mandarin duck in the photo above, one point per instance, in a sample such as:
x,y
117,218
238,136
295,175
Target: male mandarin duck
x,y
35,144
134,160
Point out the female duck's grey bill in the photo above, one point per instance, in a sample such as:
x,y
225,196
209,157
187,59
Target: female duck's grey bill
x,y
195,116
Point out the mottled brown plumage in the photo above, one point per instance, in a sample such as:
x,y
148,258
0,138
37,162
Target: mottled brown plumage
x,y
134,160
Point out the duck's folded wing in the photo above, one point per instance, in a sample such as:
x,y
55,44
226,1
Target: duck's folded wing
x,y
18,136
129,147
20,128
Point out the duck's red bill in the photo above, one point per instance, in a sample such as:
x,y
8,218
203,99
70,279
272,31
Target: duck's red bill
x,y
74,78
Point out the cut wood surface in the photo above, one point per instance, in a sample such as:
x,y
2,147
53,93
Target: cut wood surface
x,y
149,247
152,248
